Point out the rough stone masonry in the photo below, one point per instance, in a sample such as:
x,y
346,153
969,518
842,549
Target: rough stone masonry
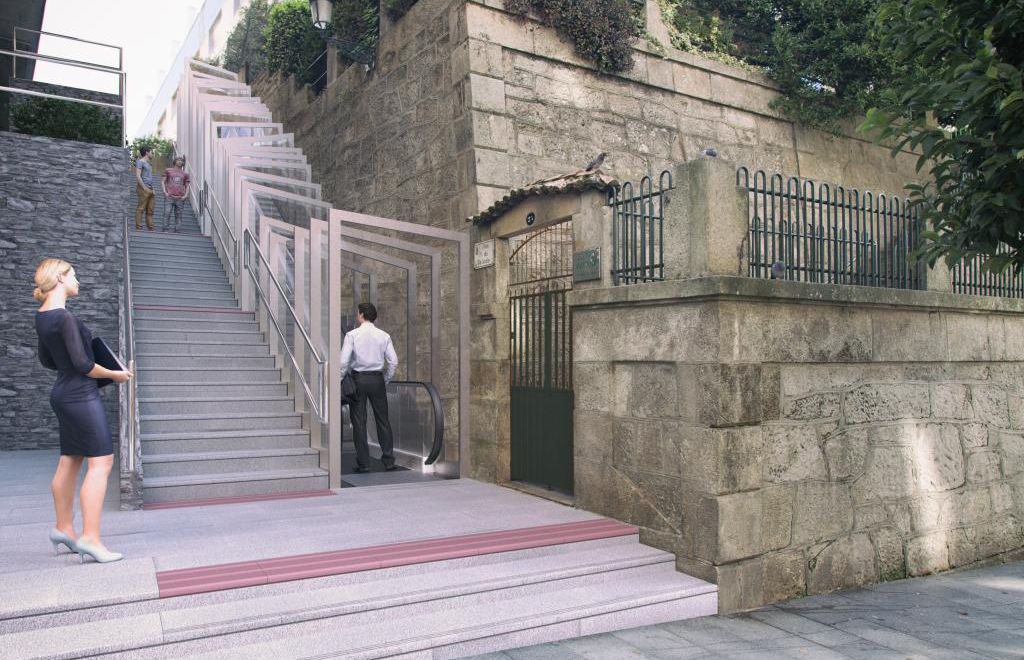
x,y
57,199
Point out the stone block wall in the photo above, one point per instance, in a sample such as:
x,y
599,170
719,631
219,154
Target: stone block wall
x,y
539,110
784,447
63,199
392,141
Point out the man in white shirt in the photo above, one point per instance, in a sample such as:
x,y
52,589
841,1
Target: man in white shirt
x,y
369,353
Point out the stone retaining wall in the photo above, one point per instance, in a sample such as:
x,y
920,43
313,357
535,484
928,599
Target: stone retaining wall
x,y
785,438
63,199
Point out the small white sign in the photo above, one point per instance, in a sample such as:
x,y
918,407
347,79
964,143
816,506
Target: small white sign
x,y
483,254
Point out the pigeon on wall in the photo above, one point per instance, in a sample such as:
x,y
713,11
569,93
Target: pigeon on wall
x,y
596,163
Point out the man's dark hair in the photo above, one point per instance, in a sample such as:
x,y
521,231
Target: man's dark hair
x,y
368,311
143,151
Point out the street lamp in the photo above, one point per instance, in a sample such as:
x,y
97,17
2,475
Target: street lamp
x,y
321,11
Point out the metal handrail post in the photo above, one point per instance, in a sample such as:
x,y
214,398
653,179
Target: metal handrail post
x,y
319,401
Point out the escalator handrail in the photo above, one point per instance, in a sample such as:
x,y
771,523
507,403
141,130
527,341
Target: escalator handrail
x,y
435,401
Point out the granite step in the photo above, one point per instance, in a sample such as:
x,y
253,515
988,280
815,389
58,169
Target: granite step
x,y
158,361
198,422
204,336
178,347
222,295
236,389
161,312
457,607
233,484
195,464
209,404
208,375
172,323
200,441
184,301
157,286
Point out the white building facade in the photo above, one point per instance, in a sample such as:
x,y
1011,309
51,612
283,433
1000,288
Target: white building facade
x,y
205,39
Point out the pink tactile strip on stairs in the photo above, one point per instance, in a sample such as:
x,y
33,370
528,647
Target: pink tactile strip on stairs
x,y
240,499
183,582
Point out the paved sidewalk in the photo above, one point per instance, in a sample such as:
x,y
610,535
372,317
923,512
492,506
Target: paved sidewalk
x,y
955,616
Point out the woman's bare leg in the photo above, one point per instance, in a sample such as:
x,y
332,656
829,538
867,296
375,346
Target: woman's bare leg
x,y
63,489
94,489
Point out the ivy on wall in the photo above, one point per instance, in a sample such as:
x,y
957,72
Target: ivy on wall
x,y
603,31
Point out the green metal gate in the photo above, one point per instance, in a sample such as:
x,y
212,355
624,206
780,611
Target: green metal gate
x,y
540,276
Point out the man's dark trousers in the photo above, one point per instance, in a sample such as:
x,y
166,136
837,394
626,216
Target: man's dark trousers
x,y
370,385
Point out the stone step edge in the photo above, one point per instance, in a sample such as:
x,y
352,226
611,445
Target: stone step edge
x,y
149,307
469,632
140,331
215,399
149,483
237,499
197,416
186,457
200,435
282,616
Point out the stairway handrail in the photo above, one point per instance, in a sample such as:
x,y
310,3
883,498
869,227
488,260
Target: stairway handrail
x,y
231,254
435,401
319,402
129,408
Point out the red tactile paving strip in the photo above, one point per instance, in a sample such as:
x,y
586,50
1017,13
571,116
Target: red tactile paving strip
x,y
240,499
219,577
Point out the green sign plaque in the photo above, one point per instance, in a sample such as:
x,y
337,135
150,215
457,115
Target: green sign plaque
x,y
586,265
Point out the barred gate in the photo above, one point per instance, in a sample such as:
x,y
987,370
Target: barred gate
x,y
540,351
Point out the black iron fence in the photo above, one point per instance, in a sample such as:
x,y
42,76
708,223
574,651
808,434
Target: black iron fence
x,y
638,234
970,277
813,232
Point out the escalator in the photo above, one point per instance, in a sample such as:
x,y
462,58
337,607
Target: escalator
x,y
417,425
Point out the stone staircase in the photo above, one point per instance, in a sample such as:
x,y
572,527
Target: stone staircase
x,y
444,609
216,418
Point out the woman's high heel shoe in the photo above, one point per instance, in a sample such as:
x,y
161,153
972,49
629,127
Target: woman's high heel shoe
x,y
99,554
59,538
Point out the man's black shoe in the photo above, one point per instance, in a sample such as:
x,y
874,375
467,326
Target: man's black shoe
x,y
390,468
360,470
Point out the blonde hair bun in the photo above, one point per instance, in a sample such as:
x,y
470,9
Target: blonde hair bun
x,y
47,273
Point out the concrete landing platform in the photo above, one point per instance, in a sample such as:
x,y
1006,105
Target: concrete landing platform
x,y
433,569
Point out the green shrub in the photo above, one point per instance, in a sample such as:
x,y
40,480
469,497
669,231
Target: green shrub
x,y
825,55
960,105
291,41
66,120
162,147
603,31
246,45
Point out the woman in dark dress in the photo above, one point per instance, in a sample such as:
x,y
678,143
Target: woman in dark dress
x,y
65,344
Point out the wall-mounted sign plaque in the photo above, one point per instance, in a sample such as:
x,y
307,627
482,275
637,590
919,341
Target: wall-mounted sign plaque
x,y
586,265
483,254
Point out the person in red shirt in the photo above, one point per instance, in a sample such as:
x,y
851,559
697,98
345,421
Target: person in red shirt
x,y
175,184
